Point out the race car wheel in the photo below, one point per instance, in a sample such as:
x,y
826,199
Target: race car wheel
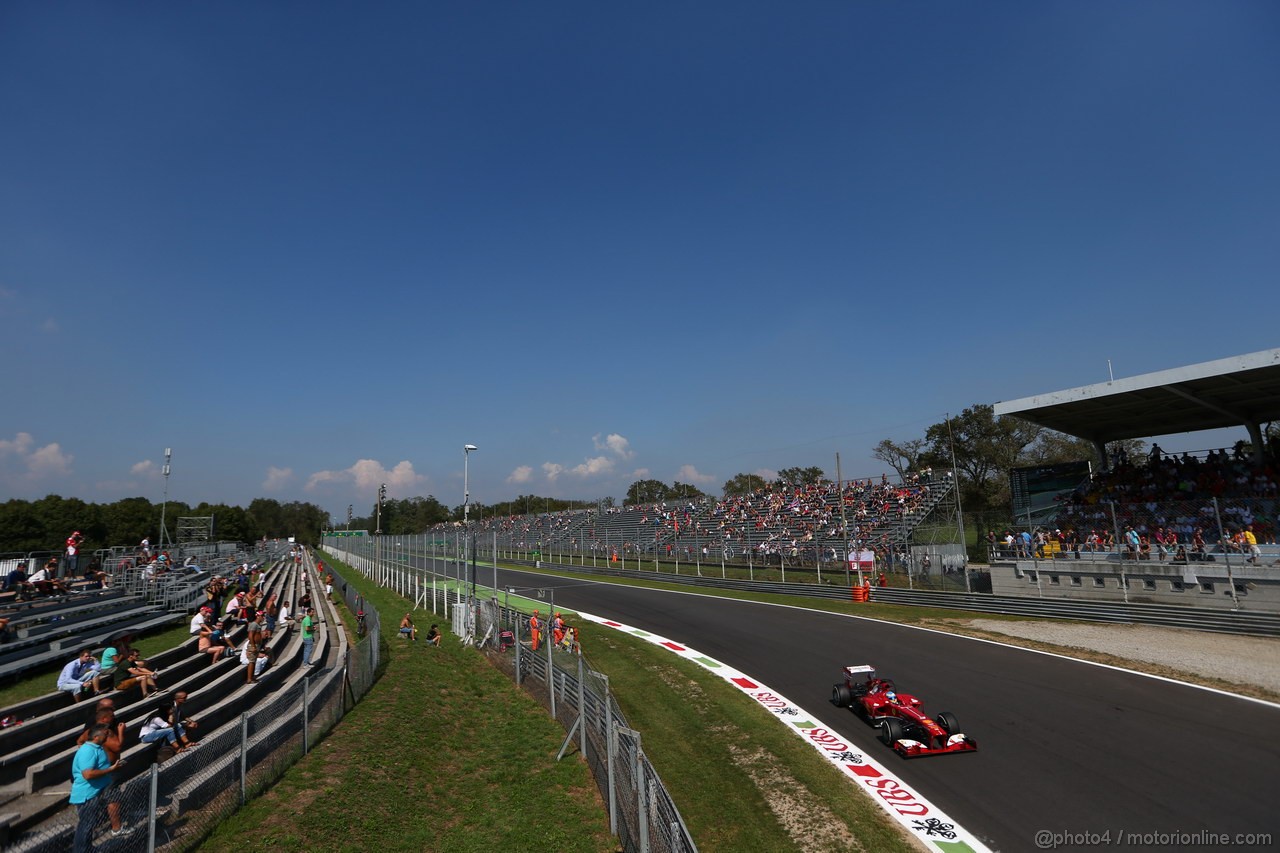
x,y
947,720
840,695
891,731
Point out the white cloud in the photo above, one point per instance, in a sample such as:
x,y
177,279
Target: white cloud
x,y
145,468
691,475
277,478
593,467
41,462
614,443
521,475
366,475
766,474
49,326
49,461
640,472
21,444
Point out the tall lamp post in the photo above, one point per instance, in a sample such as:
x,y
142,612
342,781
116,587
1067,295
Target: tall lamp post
x,y
164,504
377,557
466,508
466,490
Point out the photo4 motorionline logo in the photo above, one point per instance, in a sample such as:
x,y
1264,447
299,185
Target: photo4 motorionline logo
x,y
1047,839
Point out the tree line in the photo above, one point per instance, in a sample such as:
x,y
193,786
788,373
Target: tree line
x,y
45,524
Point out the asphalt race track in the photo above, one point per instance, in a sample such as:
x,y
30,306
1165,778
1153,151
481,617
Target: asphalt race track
x,y
1064,746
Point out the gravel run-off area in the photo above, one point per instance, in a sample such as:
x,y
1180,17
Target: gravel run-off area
x,y
1252,661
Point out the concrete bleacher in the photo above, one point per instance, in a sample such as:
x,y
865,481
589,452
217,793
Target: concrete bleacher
x,y
86,620
36,756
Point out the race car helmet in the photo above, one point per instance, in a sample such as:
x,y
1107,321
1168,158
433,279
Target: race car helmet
x,y
891,696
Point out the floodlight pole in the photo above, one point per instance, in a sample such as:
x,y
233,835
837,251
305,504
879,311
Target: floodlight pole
x,y
164,504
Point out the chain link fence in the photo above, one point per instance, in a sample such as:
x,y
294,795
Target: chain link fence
x,y
641,812
178,801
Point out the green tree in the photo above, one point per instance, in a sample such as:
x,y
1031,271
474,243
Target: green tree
x,y
986,448
684,491
646,492
801,476
903,457
744,484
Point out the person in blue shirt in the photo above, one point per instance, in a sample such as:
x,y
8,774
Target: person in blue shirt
x,y
91,771
78,674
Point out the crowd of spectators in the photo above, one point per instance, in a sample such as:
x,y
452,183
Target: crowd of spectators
x,y
796,522
1163,507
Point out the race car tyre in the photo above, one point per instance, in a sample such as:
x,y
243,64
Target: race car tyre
x,y
947,720
891,731
840,695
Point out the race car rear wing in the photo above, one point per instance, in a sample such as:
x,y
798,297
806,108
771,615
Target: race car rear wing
x,y
860,669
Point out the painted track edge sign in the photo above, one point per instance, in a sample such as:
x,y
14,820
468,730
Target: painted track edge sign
x,y
921,818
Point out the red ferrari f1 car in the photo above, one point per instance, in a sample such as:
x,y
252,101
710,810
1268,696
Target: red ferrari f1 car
x,y
902,724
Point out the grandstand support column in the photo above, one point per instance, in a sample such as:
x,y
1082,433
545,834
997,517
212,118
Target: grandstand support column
x,y
1226,554
844,525
244,757
611,752
551,670
1115,525
495,565
154,797
955,484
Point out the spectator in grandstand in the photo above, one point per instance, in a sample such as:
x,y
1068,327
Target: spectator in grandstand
x,y
213,641
112,657
46,582
139,674
104,714
200,620
407,628
308,635
159,726
255,628
1251,544
181,722
19,582
1198,544
1132,543
74,542
270,616
249,660
91,771
286,614
94,573
78,675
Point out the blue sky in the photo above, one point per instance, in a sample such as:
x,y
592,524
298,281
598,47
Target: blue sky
x,y
317,246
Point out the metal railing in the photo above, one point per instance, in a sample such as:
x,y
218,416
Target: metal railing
x,y
174,805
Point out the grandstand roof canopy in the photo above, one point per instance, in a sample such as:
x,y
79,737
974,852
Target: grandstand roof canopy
x,y
1229,392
